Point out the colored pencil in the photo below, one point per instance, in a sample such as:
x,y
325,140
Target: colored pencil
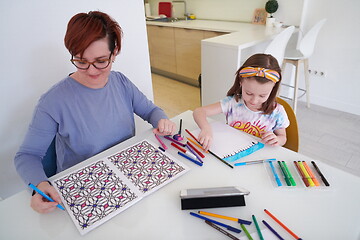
x,y
195,149
257,227
221,230
287,180
307,176
193,152
196,144
254,162
161,142
44,195
320,173
189,158
282,225
174,141
246,231
301,174
289,174
312,176
272,230
277,179
225,217
178,147
216,222
216,156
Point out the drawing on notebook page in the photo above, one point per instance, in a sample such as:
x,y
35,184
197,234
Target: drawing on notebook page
x,y
97,192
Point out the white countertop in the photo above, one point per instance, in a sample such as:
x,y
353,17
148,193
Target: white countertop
x,y
241,34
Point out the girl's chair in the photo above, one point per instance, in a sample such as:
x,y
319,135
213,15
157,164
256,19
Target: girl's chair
x,y
301,55
292,131
278,45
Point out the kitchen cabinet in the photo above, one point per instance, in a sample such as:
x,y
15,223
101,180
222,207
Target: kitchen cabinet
x,y
188,52
176,52
162,48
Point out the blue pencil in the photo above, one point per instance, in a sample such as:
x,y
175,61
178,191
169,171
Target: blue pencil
x,y
272,230
216,222
45,196
189,158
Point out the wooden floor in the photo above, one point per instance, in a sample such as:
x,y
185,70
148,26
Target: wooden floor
x,y
325,134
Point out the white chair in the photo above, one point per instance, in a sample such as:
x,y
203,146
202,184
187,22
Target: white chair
x,y
278,45
301,55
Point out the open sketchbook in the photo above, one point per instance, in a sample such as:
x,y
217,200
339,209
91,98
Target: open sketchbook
x,y
97,192
231,144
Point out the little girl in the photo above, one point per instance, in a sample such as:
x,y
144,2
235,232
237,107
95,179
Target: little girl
x,y
250,104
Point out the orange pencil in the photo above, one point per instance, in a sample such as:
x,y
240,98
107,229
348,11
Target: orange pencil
x,y
196,144
281,224
316,182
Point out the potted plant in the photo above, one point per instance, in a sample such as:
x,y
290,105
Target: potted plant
x,y
271,7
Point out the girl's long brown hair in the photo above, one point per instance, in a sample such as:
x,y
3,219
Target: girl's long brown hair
x,y
264,61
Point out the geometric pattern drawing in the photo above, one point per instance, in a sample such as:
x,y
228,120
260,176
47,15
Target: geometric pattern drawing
x,y
145,166
93,193
102,189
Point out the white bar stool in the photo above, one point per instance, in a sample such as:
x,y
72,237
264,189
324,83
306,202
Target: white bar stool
x,y
301,55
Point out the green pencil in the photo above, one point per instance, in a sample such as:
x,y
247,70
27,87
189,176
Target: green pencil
x,y
246,231
257,227
289,174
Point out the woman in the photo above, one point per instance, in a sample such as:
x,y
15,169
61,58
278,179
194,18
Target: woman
x,y
88,111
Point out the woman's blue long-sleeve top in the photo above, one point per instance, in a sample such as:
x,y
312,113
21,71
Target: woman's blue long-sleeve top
x,y
85,122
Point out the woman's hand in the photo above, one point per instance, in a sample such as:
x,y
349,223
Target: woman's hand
x,y
41,204
165,127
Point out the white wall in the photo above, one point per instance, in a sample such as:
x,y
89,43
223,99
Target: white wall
x,y
337,53
237,10
33,58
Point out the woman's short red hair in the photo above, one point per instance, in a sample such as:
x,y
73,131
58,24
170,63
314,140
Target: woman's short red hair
x,y
85,28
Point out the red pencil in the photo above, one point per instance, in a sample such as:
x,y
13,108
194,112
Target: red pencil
x,y
281,224
178,147
195,149
191,135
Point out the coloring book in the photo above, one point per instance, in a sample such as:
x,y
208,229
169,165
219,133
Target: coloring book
x,y
231,144
99,191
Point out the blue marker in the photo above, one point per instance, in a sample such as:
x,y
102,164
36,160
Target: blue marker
x,y
254,162
189,158
275,174
216,222
44,195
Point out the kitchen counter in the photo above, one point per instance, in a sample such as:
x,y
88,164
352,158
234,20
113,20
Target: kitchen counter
x,y
240,33
222,56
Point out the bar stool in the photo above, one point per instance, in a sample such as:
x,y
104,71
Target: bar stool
x,y
278,45
301,55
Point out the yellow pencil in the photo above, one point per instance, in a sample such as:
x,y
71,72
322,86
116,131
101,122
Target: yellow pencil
x,y
311,183
316,182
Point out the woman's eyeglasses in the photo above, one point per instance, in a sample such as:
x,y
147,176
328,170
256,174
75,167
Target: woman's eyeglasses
x,y
84,65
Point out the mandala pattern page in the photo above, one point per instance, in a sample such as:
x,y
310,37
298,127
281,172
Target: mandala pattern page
x,y
94,194
147,167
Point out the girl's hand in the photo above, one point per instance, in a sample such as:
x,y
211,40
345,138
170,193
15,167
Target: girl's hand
x,y
165,127
42,205
205,137
270,138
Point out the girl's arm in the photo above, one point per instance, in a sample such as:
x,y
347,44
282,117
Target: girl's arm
x,y
276,138
200,114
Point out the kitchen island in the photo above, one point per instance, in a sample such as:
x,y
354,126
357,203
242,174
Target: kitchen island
x,y
222,55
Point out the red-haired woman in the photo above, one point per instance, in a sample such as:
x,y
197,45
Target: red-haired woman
x,y
88,111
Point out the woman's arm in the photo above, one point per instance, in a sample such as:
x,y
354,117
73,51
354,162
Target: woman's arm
x,y
200,116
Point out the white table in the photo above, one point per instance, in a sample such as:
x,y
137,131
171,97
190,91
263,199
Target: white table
x,y
311,213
